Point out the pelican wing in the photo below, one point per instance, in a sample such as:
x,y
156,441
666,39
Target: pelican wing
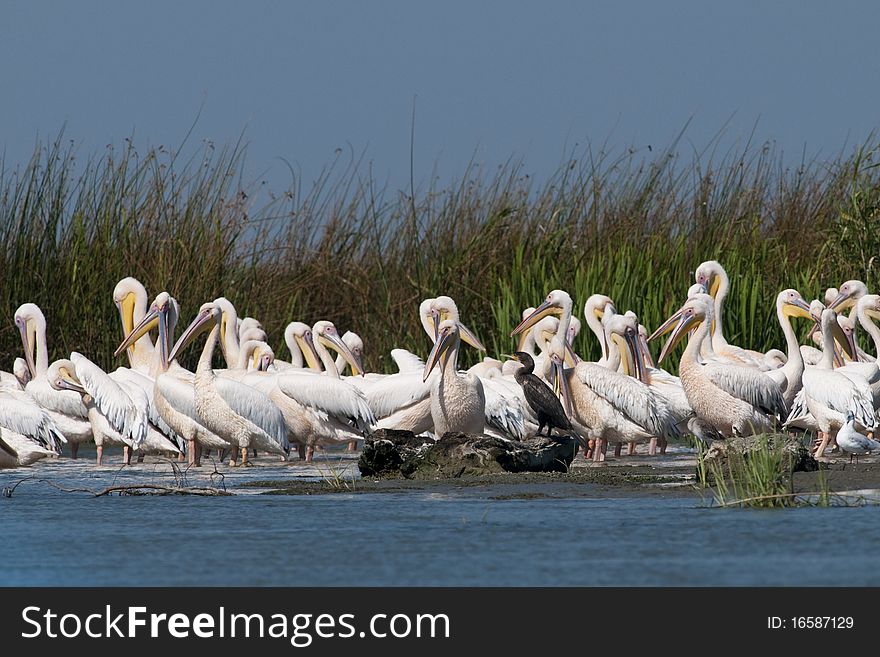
x,y
504,411
407,361
21,414
841,392
113,402
255,406
748,384
65,402
332,396
397,391
147,384
637,401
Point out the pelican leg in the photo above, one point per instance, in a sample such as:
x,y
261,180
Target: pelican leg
x,y
631,449
663,445
310,453
100,454
823,444
652,447
244,457
74,449
618,448
255,453
126,455
301,450
352,445
599,450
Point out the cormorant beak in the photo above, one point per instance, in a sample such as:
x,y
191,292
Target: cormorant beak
x,y
333,341
439,351
666,326
684,324
199,325
542,311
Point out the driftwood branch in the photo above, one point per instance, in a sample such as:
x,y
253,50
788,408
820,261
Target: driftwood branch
x,y
128,489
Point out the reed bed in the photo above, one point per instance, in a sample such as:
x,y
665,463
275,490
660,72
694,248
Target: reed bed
x,y
631,224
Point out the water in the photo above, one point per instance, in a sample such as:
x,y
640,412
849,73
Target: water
x,y
458,537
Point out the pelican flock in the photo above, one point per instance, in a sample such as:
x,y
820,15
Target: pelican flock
x,y
258,406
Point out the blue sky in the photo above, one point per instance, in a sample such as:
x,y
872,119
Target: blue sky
x,y
490,80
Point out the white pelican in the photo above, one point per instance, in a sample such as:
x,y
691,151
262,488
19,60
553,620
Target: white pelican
x,y
829,393
173,390
867,310
712,276
594,311
27,432
130,298
356,348
118,410
789,303
847,297
63,406
852,442
242,415
298,338
458,402
403,400
603,404
733,399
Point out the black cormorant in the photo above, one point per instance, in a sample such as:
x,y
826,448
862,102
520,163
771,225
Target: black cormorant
x,y
539,396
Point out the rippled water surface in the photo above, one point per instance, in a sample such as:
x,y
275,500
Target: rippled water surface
x,y
451,537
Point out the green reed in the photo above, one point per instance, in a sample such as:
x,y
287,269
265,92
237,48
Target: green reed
x,y
633,225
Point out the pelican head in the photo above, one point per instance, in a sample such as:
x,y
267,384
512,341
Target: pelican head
x,y
623,331
693,291
690,316
325,333
792,304
869,305
62,376
443,308
558,303
29,319
448,339
848,333
356,346
259,353
711,275
21,371
250,329
848,295
209,316
574,328
127,295
157,315
299,335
